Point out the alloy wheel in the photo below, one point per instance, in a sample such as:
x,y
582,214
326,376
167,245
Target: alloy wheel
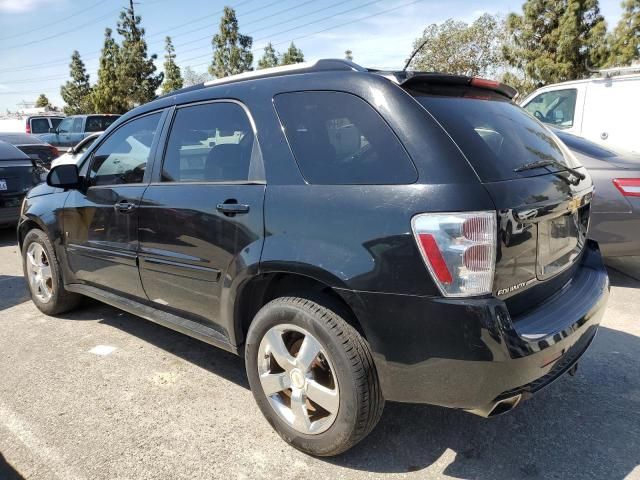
x,y
298,379
39,272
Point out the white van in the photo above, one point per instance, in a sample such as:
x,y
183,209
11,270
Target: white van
x,y
605,110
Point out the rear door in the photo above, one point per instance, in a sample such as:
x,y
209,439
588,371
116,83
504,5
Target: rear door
x,y
202,218
101,222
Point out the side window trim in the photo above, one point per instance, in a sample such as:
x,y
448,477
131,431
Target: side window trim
x,y
152,152
256,167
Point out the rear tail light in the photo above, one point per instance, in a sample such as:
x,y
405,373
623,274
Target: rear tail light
x,y
629,187
27,127
484,83
459,249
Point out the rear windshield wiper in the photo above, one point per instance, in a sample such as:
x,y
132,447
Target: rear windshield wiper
x,y
548,163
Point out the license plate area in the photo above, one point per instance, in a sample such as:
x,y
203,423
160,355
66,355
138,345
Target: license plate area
x,y
560,242
3,184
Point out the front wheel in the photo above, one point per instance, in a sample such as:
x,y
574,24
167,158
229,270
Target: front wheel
x,y
312,375
44,277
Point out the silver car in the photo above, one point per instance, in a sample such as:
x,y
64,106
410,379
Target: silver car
x,y
615,218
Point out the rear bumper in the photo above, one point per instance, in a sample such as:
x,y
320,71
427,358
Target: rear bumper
x,y
469,354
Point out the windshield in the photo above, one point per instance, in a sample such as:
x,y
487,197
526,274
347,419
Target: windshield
x,y
496,135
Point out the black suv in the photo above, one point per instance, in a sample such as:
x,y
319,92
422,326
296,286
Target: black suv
x,y
344,230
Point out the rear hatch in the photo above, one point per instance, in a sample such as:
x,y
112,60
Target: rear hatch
x,y
16,178
541,193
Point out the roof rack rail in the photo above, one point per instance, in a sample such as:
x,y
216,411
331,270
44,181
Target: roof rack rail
x,y
304,67
613,71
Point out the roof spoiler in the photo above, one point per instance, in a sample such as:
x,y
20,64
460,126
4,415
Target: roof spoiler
x,y
408,79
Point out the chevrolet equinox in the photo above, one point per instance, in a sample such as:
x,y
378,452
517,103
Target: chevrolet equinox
x,y
357,235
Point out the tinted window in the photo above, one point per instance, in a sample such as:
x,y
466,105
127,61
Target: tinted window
x,y
39,125
556,108
211,143
338,138
55,122
495,135
99,123
123,156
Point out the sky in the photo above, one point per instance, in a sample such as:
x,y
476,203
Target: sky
x,y
37,37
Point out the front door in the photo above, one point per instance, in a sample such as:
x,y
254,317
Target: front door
x,y
101,222
202,221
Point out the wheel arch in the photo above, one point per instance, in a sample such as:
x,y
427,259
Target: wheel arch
x,y
261,289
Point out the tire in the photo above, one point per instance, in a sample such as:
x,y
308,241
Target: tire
x,y
37,254
343,367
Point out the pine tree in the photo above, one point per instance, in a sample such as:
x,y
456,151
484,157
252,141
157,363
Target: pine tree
x,y
136,71
231,50
76,93
348,55
292,55
172,76
555,40
269,59
107,95
42,101
625,39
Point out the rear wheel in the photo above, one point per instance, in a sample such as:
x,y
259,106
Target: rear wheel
x,y
312,376
43,275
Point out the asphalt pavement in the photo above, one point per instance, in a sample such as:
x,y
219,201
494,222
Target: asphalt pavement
x,y
101,394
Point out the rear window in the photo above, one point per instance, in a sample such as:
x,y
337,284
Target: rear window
x,y
495,135
584,146
339,139
99,124
39,125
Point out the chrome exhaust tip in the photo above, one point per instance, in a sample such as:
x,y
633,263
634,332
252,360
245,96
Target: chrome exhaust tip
x,y
498,408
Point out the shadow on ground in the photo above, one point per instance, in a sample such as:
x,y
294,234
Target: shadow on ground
x,y
7,472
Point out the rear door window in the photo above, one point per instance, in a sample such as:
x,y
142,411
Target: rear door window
x,y
339,139
39,125
55,122
495,135
99,123
211,142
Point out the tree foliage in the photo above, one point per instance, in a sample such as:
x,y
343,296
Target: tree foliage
x,y
292,55
76,93
269,58
459,48
108,95
231,50
556,40
624,42
172,75
348,55
42,101
191,77
135,69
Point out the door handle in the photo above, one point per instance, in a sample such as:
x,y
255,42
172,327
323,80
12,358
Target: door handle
x,y
232,208
124,207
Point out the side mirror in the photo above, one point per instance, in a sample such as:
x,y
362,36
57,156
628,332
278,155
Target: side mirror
x,y
53,130
64,176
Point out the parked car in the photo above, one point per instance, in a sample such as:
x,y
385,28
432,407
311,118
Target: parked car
x,y
33,146
615,210
17,175
75,128
603,110
339,228
30,123
76,152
